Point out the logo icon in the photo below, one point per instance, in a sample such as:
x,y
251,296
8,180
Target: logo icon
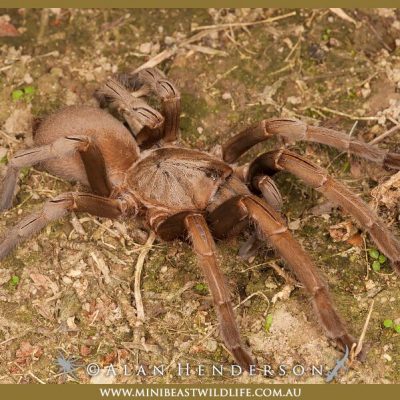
x,y
331,375
67,366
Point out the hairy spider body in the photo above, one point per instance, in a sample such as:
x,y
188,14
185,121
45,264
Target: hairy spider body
x,y
141,172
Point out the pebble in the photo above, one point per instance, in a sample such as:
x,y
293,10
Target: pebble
x,y
145,48
387,357
211,345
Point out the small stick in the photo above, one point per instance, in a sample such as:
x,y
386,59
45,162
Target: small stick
x,y
35,377
358,348
385,134
138,272
353,117
222,76
243,24
44,21
259,293
8,137
341,14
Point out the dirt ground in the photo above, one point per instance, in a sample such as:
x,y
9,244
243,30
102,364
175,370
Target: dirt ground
x,y
69,291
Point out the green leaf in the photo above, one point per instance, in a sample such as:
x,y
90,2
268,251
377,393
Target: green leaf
x,y
29,90
346,167
376,266
4,159
268,323
388,323
14,280
397,328
374,253
17,94
201,288
382,259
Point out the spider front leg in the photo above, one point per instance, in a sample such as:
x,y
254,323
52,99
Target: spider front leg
x,y
320,180
165,90
276,233
145,122
60,148
204,246
295,130
56,209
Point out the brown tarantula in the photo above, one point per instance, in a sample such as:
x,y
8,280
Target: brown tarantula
x,y
182,192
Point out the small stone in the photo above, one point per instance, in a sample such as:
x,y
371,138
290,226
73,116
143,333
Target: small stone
x,y
294,100
28,79
168,40
56,71
211,345
145,48
67,280
294,225
387,357
226,96
164,269
200,129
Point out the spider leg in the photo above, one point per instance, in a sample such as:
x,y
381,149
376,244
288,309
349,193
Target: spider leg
x,y
266,187
58,208
204,247
165,90
60,148
295,130
145,122
320,180
276,233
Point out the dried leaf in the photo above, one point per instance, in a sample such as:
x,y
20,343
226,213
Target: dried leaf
x,y
342,232
6,28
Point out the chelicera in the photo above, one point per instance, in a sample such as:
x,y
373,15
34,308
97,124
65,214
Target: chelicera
x,y
139,170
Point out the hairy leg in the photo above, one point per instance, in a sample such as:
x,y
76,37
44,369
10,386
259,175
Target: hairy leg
x,y
295,130
165,90
275,232
204,246
58,208
145,122
320,180
62,147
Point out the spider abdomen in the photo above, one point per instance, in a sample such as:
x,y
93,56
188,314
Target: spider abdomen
x,y
115,142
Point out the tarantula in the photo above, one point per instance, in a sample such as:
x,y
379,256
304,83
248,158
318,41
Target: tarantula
x,y
138,170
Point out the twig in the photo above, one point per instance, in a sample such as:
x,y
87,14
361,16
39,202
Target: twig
x,y
101,265
206,50
353,117
341,14
242,24
35,377
14,337
8,137
222,76
259,293
385,134
44,21
138,272
288,279
358,348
